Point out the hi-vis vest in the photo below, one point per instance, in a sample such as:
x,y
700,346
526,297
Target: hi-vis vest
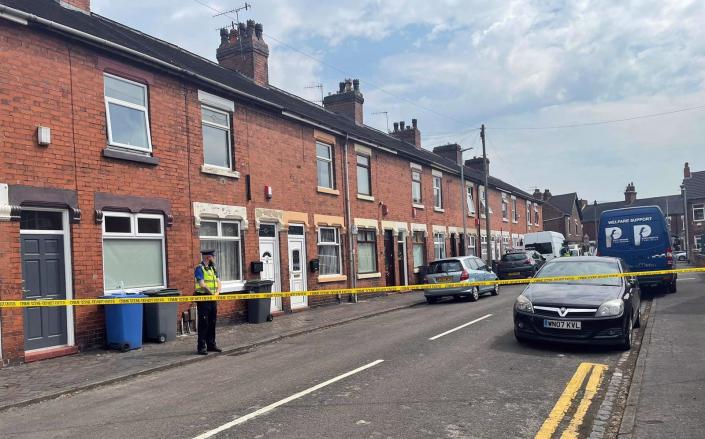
x,y
210,277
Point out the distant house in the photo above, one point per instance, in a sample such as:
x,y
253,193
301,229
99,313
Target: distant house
x,y
562,214
694,191
671,205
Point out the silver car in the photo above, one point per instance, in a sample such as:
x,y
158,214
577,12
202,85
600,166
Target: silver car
x,y
459,269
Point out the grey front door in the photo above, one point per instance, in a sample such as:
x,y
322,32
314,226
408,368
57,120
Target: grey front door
x,y
44,278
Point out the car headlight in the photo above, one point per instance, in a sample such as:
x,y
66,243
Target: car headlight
x,y
611,308
524,304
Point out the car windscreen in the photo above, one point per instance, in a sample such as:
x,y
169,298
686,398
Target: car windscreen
x,y
544,248
445,267
563,267
511,257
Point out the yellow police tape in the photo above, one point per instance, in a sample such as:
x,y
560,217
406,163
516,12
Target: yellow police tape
x,y
365,290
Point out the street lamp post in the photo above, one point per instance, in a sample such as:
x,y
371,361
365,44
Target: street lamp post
x,y
487,197
686,243
463,198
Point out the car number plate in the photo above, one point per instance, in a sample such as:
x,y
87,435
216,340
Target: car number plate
x,y
561,324
444,279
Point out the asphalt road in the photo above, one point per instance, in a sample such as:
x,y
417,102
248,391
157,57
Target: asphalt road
x,y
476,381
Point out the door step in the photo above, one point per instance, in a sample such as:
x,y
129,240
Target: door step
x,y
45,354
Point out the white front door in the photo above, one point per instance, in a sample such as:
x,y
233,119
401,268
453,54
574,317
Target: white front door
x,y
297,265
269,255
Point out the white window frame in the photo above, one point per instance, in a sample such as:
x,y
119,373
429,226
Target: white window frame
x,y
227,128
330,164
137,236
698,243
528,213
368,168
415,182
232,284
473,244
336,243
505,208
144,109
414,243
438,192
439,243
536,214
515,211
470,199
699,208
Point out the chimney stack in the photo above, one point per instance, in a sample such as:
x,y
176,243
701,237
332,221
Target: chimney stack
x,y
477,164
450,151
244,50
347,101
630,194
547,195
408,134
537,194
78,5
686,171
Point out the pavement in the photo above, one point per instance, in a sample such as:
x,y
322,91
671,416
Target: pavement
x,y
30,383
451,370
667,395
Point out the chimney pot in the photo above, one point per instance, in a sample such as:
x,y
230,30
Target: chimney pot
x,y
259,29
413,123
345,102
537,194
396,127
686,170
401,125
409,134
356,84
547,195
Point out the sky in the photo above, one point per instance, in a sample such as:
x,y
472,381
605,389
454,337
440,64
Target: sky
x,y
510,65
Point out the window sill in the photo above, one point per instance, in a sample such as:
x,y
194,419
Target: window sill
x,y
471,215
504,220
332,278
232,286
515,222
327,190
118,154
438,209
365,197
222,172
369,275
417,206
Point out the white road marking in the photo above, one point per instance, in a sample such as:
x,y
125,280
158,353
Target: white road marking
x,y
459,327
687,278
271,407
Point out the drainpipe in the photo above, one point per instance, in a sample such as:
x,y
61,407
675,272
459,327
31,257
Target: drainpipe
x,y
348,223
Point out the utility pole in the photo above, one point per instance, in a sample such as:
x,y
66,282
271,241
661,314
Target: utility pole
x,y
487,197
685,222
464,199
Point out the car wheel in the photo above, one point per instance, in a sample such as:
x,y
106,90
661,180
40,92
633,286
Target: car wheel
x,y
673,288
495,290
627,343
474,294
637,324
431,300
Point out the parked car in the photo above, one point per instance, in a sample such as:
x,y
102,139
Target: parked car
x,y
680,256
459,269
547,243
639,236
519,264
590,311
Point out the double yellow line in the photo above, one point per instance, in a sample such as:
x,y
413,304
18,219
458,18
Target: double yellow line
x,y
567,399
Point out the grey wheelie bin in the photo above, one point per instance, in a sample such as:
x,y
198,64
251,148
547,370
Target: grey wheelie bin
x,y
160,318
258,310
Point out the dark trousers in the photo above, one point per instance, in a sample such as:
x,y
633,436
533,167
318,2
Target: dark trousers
x,y
207,312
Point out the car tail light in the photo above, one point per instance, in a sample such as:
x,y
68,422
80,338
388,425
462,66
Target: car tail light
x,y
527,261
669,256
464,275
598,253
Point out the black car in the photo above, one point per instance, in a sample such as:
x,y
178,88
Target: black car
x,y
590,311
519,264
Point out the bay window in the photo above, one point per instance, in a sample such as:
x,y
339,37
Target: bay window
x,y
133,251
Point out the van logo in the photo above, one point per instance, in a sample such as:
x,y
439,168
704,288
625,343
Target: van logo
x,y
563,312
642,233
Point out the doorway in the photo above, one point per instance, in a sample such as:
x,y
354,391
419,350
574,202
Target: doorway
x,y
297,265
389,258
46,275
401,259
269,255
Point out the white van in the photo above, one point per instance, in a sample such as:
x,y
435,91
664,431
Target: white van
x,y
547,243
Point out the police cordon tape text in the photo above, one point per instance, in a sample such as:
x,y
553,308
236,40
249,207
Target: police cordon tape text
x,y
364,290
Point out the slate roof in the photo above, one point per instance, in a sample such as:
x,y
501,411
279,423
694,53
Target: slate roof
x,y
669,204
695,185
565,203
190,64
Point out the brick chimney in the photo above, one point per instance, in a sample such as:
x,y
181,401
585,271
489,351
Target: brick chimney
x,y
547,195
630,194
477,164
686,170
450,151
409,134
79,5
347,101
244,50
537,194
582,203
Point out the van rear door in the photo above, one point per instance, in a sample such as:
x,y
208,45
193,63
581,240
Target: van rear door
x,y
639,236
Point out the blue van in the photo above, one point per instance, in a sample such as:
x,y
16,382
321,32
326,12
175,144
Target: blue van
x,y
639,235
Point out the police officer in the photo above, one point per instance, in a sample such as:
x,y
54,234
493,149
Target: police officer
x,y
207,284
565,251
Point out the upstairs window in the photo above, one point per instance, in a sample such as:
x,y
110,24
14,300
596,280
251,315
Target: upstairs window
x,y
528,213
216,138
505,207
324,164
437,192
470,200
126,113
364,181
698,212
416,187
515,212
483,200
536,214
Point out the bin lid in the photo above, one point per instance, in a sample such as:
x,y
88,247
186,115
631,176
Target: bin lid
x,y
165,292
122,296
258,283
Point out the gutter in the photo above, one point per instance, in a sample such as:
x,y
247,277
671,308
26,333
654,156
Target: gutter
x,y
21,17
